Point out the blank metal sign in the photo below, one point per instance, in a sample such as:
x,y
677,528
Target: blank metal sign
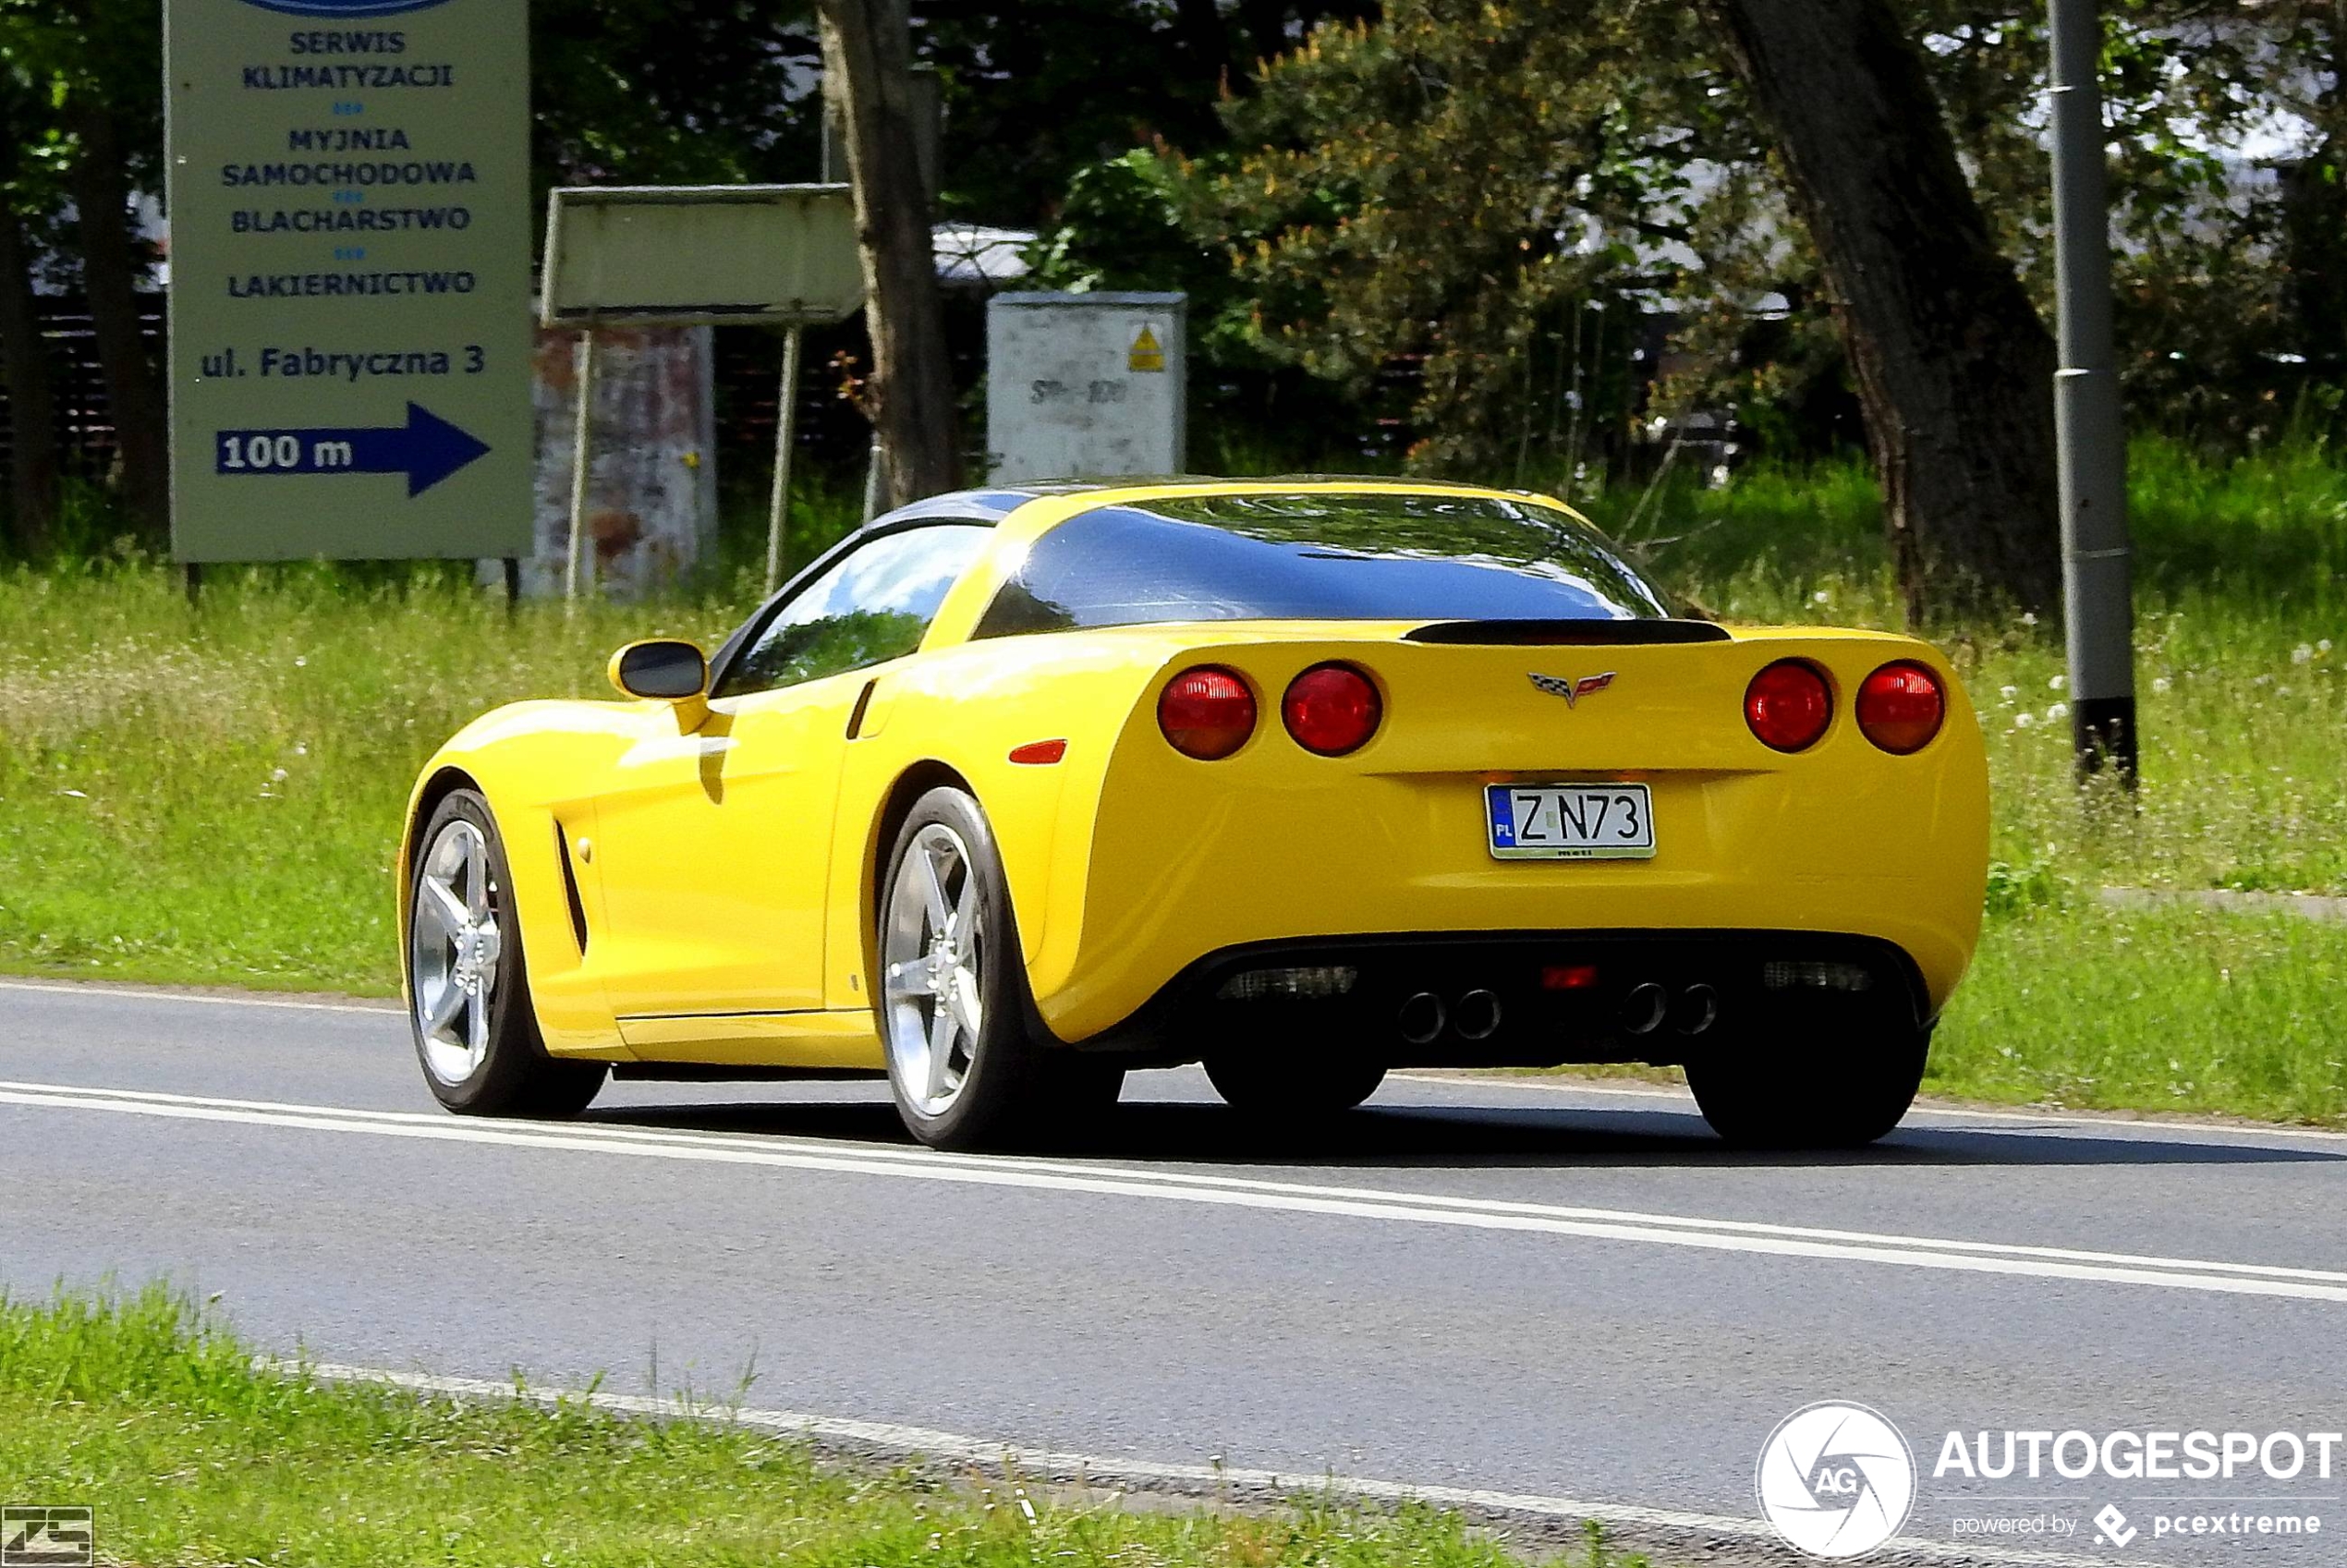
x,y
681,255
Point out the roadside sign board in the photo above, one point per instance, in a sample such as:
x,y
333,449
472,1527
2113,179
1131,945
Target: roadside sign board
x,y
701,255
348,184
1085,385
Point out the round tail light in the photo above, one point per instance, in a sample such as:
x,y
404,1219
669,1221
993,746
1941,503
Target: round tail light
x,y
1207,712
1331,709
1901,707
1789,705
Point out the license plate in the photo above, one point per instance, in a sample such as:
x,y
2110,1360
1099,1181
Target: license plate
x,y
1611,821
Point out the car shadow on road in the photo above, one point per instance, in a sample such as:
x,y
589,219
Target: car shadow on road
x,y
1476,1135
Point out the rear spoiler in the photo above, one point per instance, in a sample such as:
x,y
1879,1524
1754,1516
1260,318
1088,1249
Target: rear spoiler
x,y
1587,634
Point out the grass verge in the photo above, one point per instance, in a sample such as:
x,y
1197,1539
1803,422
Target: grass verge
x,y
190,1455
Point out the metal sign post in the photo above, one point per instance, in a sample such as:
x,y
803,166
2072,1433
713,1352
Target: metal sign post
x,y
786,433
723,255
2091,443
348,185
576,560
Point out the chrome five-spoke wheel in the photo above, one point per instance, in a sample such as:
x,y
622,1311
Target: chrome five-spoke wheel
x,y
932,954
455,941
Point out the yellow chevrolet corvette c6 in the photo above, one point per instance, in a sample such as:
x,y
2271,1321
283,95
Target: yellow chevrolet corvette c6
x,y
1016,790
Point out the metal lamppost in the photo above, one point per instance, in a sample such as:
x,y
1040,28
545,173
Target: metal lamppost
x,y
2091,443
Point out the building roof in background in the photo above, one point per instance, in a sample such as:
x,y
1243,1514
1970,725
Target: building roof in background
x,y
978,256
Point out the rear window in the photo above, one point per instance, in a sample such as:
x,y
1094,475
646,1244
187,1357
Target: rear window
x,y
1317,557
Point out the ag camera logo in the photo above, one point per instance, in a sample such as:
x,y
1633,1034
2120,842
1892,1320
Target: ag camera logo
x,y
1835,1480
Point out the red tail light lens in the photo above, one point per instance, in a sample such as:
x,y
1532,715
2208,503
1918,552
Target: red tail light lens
x,y
1901,707
1207,712
1789,705
1331,709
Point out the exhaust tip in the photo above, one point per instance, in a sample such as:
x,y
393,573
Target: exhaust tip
x,y
1421,1018
1696,1010
1476,1016
1642,1009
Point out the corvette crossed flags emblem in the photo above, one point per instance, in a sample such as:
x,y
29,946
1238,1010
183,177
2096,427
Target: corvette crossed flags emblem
x,y
1570,689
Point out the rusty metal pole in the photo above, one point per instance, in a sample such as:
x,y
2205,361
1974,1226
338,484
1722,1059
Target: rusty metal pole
x,y
575,564
785,437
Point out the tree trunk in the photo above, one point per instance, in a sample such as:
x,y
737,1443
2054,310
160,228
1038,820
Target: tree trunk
x,y
1955,369
867,64
109,276
24,371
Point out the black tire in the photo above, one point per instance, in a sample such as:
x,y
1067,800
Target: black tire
x,y
1014,1085
1267,1080
514,1075
1843,1093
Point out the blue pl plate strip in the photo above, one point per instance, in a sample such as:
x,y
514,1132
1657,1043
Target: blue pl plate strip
x,y
1502,806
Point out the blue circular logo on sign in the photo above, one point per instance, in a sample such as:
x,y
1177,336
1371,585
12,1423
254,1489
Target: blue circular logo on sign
x,y
345,10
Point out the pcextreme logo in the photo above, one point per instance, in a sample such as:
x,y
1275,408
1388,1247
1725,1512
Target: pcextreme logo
x,y
1835,1480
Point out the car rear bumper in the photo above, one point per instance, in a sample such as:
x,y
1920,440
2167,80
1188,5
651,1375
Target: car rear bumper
x,y
1525,998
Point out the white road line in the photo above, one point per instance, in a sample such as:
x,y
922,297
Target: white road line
x,y
126,993
2110,1123
2115,1122
927,1443
922,1160
1115,1181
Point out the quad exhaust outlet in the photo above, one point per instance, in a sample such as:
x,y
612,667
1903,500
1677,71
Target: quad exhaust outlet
x,y
1421,1018
1644,1008
1476,1016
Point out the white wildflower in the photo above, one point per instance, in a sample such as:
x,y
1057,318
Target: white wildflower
x,y
2057,683
2057,712
2023,721
2303,654
2162,684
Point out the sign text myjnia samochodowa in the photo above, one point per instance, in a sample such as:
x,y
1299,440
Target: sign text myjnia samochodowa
x,y
350,233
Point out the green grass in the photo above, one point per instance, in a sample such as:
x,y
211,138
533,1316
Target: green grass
x,y
211,794
190,1455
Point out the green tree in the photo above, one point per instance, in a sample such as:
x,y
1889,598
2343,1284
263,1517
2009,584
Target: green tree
x,y
1476,189
24,373
1447,184
98,65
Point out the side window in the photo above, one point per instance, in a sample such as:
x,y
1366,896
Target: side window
x,y
874,605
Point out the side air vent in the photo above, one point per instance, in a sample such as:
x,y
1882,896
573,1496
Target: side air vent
x,y
570,889
1567,634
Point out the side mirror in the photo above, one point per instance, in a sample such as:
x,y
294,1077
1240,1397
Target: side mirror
x,y
665,669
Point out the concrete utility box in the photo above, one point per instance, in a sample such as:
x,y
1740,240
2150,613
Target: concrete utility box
x,y
1085,385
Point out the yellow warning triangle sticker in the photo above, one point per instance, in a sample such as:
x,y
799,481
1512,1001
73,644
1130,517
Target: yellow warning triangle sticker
x,y
1147,353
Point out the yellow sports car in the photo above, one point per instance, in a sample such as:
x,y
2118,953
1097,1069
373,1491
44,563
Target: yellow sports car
x,y
1016,790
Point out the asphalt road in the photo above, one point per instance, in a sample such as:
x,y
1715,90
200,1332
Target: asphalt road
x,y
1569,1295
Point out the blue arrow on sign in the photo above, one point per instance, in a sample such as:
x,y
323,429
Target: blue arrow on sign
x,y
427,449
